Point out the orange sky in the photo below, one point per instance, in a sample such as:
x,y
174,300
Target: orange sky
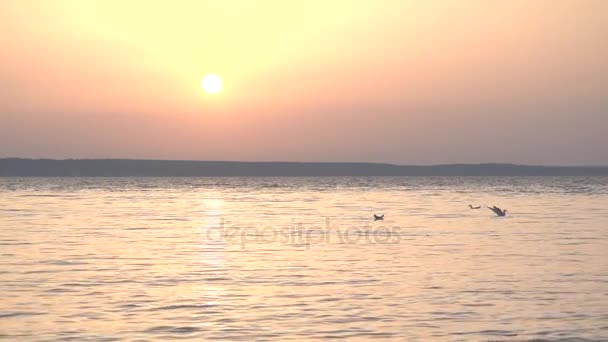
x,y
411,82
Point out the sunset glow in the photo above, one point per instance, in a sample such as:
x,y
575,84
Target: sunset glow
x,y
212,84
434,79
304,170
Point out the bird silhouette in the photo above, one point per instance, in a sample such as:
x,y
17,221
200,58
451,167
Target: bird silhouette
x,y
378,217
472,207
498,211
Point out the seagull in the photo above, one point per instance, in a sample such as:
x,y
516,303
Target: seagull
x,y
378,217
472,207
498,211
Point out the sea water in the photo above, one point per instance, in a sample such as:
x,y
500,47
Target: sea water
x,y
303,259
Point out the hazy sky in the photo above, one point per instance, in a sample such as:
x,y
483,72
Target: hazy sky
x,y
409,82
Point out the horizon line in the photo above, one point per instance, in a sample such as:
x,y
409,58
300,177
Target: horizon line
x,y
311,162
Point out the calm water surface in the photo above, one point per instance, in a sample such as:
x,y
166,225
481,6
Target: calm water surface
x,y
301,259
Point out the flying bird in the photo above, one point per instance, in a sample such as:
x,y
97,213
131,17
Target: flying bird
x,y
498,211
378,217
472,207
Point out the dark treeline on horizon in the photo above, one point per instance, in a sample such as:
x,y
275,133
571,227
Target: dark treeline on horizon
x,y
18,167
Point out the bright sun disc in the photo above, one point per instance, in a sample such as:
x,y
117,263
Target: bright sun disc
x,y
211,83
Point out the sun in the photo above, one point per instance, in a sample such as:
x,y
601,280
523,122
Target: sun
x,y
211,84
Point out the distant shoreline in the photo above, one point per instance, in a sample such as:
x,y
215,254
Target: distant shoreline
x,y
21,167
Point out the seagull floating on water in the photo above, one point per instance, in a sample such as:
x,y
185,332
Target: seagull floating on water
x,y
378,217
498,211
472,207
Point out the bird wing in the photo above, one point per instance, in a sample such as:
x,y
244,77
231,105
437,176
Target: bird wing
x,y
495,210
